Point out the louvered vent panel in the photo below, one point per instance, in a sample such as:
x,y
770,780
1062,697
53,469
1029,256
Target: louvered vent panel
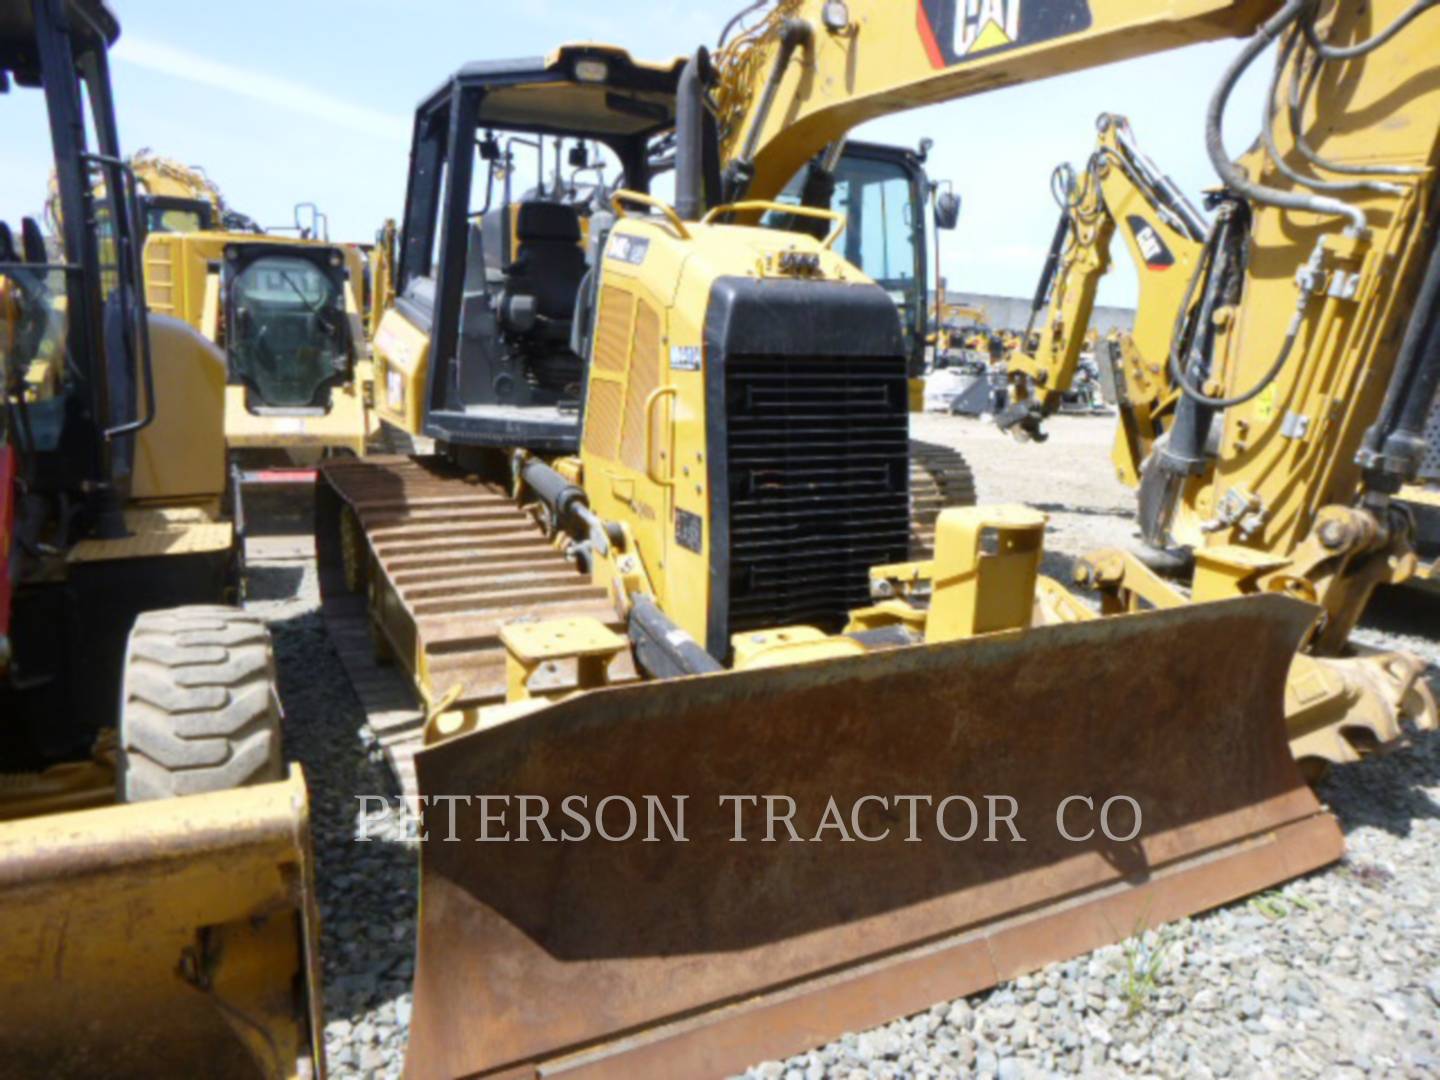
x,y
602,418
612,331
644,377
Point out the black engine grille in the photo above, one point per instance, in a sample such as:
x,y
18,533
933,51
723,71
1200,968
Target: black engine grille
x,y
819,484
1430,467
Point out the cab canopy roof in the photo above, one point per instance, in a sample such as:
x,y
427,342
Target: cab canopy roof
x,y
92,25
581,89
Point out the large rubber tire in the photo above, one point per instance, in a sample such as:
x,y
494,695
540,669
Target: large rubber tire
x,y
199,710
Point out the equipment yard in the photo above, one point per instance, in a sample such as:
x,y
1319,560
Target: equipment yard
x,y
1337,974
622,622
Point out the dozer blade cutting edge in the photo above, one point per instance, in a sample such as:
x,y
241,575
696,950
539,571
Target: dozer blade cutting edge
x,y
697,958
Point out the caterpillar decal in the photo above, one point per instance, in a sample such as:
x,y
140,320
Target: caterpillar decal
x,y
957,30
1156,252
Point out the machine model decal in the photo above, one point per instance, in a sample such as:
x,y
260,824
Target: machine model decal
x,y
630,249
957,30
1156,253
684,358
689,530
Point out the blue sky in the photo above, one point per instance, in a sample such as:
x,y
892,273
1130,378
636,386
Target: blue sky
x,y
311,100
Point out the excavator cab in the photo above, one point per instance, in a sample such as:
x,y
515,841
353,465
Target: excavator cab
x,y
173,214
483,344
883,192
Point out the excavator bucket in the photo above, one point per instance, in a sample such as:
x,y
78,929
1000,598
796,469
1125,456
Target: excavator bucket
x,y
168,938
646,955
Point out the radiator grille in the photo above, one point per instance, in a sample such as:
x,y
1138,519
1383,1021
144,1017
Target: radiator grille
x,y
818,484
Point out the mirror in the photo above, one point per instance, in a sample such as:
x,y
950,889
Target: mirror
x,y
579,157
489,148
947,209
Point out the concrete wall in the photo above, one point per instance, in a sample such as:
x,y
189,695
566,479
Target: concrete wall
x,y
1013,312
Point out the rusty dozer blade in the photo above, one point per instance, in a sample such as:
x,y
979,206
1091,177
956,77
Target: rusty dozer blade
x,y
169,938
637,959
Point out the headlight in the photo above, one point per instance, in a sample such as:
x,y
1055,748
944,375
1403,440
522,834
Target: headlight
x,y
592,71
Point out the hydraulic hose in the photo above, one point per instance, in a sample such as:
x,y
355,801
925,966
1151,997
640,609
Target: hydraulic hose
x,y
1199,396
794,34
1267,133
1234,176
1350,52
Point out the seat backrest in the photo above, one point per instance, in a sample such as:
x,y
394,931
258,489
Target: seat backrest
x,y
549,262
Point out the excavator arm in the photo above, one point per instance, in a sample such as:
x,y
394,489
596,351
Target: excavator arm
x,y
1121,191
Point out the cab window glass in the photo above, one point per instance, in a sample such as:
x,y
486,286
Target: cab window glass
x,y
289,336
158,220
880,234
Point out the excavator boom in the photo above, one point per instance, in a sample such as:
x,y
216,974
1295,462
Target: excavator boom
x,y
815,70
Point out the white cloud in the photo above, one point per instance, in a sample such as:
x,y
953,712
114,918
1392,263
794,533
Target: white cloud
x,y
271,89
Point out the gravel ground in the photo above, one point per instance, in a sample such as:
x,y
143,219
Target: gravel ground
x,y
1335,975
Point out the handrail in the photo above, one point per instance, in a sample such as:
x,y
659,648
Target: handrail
x,y
752,205
618,200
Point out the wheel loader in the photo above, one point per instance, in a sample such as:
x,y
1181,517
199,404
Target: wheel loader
x,y
662,555
157,907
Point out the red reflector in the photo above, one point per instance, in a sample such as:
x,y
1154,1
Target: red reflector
x,y
279,476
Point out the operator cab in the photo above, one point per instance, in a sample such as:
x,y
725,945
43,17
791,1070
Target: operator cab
x,y
883,191
511,170
174,214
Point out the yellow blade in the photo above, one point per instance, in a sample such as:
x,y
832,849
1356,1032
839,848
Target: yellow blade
x,y
698,958
167,938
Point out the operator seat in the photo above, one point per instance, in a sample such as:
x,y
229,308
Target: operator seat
x,y
544,279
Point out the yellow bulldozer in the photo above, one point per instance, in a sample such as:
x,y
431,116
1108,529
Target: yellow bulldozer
x,y
665,553
157,908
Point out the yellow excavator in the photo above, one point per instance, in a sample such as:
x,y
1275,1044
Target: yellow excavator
x,y
157,906
1122,189
656,581
172,196
1250,468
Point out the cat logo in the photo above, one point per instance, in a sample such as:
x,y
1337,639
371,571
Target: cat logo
x,y
953,31
987,24
1153,249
